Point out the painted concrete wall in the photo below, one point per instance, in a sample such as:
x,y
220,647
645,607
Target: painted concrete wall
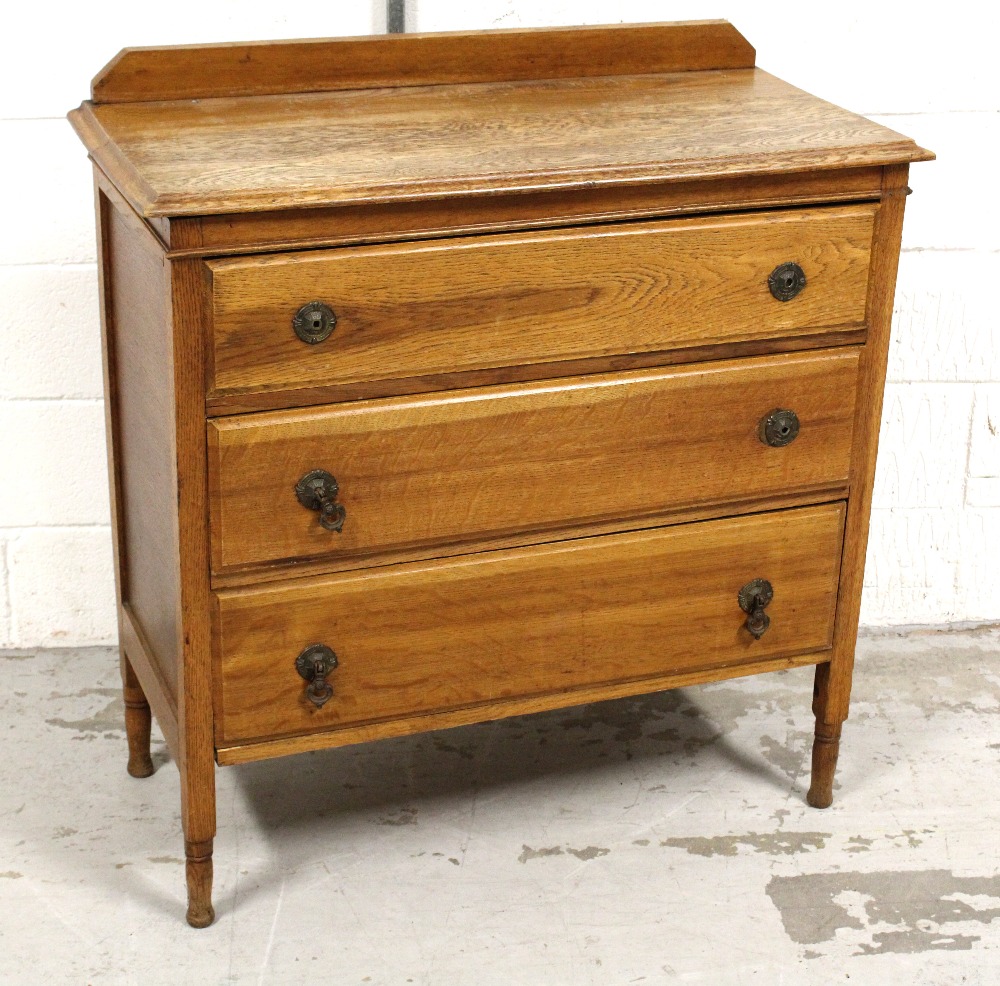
x,y
936,529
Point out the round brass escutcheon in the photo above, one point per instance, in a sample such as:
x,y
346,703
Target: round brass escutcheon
x,y
314,322
759,592
786,281
316,659
318,491
779,428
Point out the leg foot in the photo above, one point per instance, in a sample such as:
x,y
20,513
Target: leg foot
x,y
138,720
200,913
826,747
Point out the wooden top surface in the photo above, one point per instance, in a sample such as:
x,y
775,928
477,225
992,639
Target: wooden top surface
x,y
226,154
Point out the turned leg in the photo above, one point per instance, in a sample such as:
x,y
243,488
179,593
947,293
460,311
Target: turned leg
x,y
826,747
198,820
200,913
138,721
826,744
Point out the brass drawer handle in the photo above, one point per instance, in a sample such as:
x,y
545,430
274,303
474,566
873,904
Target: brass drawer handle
x,y
314,664
779,428
753,598
318,490
786,281
314,322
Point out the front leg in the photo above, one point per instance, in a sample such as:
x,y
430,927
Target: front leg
x,y
198,869
198,820
826,744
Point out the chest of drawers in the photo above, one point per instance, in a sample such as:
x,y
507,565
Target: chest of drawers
x,y
452,377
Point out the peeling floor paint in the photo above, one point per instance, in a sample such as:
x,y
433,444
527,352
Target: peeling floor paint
x,y
886,911
771,843
786,754
659,839
590,852
109,719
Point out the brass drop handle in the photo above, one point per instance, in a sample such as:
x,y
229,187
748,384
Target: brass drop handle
x,y
786,281
753,599
314,664
318,491
779,428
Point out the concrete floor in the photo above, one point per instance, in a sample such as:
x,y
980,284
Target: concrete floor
x,y
659,840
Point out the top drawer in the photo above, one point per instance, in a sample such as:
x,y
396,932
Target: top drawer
x,y
421,309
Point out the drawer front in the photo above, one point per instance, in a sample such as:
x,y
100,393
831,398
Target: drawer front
x,y
412,639
416,310
483,464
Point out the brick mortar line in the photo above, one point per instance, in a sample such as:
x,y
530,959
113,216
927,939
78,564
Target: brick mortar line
x,y
8,605
928,112
52,265
989,251
96,401
956,510
6,532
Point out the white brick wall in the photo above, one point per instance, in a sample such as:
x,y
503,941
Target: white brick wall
x,y
56,576
936,527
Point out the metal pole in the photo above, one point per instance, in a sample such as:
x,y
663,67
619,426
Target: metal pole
x,y
395,16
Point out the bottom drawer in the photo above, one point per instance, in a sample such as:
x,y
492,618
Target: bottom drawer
x,y
426,637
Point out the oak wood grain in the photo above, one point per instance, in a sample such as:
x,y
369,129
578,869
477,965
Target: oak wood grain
x,y
154,313
508,551
516,299
141,388
826,737
187,290
253,750
138,721
299,568
472,465
375,146
418,59
833,699
140,667
161,698
263,400
259,232
536,621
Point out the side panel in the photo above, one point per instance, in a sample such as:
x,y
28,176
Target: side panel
x,y
140,394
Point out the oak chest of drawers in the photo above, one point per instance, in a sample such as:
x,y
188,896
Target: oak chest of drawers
x,y
452,377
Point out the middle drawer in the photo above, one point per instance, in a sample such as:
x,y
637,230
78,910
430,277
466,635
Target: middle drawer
x,y
477,465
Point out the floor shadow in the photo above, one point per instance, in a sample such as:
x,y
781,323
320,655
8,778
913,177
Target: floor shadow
x,y
678,727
